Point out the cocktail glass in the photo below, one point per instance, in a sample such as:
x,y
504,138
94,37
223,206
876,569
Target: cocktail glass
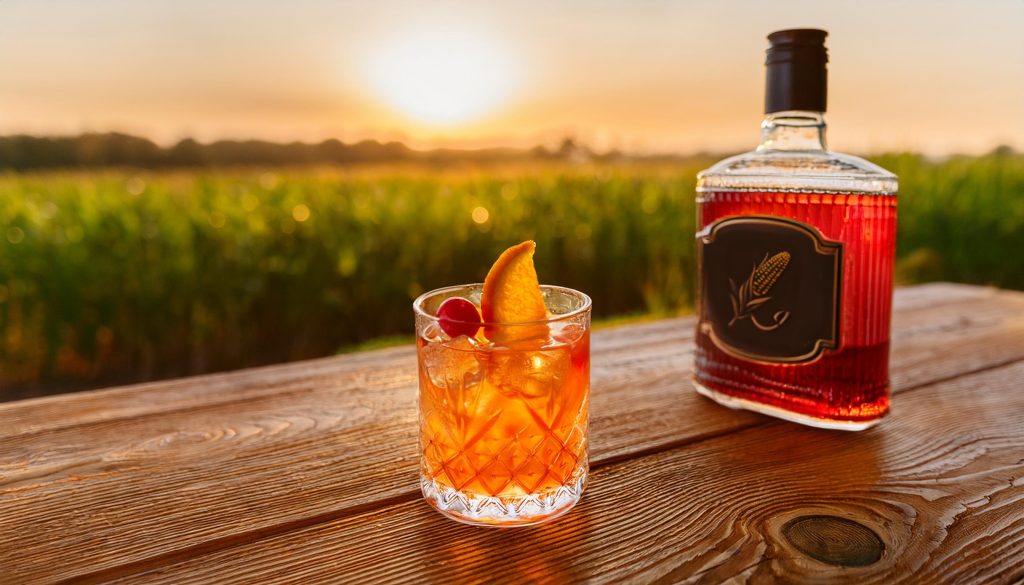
x,y
503,427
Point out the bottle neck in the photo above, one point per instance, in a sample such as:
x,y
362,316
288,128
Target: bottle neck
x,y
793,130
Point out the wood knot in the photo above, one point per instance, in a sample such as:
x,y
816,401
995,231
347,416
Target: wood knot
x,y
834,540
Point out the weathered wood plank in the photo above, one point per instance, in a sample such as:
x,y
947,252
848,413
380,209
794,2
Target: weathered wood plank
x,y
306,443
936,495
381,369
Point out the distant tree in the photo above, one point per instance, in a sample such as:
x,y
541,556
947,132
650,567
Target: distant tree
x,y
187,152
1004,150
572,151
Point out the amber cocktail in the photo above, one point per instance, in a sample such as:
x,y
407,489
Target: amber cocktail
x,y
503,424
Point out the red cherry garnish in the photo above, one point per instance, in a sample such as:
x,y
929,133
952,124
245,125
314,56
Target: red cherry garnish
x,y
458,316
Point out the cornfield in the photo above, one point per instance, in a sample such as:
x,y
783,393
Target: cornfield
x,y
116,276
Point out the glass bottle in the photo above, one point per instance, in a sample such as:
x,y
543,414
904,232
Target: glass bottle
x,y
795,248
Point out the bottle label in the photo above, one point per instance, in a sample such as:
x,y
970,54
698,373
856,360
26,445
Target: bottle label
x,y
770,289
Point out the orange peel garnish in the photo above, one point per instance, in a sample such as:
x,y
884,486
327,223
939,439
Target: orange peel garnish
x,y
512,295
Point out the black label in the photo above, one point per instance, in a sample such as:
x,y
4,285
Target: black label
x,y
770,288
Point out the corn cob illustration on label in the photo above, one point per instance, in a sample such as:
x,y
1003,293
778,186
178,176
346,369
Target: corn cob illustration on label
x,y
754,292
770,288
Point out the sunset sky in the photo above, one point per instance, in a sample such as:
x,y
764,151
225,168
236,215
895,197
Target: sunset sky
x,y
646,75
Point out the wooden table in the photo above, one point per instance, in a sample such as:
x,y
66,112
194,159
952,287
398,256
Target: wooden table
x,y
308,472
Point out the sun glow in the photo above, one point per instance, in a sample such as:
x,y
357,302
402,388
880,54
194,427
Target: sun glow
x,y
442,78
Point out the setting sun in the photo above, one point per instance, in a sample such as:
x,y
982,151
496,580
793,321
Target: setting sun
x,y
442,78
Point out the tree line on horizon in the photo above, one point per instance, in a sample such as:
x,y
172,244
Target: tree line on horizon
x,y
114,149
92,150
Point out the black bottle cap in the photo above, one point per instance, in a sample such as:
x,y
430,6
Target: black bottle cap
x,y
797,78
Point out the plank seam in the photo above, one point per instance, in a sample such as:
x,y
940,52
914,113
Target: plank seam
x,y
227,542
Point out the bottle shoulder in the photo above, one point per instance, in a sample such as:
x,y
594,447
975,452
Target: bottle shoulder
x,y
812,170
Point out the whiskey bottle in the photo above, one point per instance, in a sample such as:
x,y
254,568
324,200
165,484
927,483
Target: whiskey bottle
x,y
795,253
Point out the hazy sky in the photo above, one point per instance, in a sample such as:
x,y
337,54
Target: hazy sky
x,y
932,75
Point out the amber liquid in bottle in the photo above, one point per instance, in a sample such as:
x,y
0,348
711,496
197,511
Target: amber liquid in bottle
x,y
847,387
795,248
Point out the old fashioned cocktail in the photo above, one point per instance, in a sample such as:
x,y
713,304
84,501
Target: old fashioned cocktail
x,y
503,407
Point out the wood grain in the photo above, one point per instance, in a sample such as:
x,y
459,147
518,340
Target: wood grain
x,y
120,480
940,485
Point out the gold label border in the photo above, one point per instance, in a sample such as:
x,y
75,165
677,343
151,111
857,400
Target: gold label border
x,y
821,245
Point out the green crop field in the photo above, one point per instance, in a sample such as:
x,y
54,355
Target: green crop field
x,y
114,276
